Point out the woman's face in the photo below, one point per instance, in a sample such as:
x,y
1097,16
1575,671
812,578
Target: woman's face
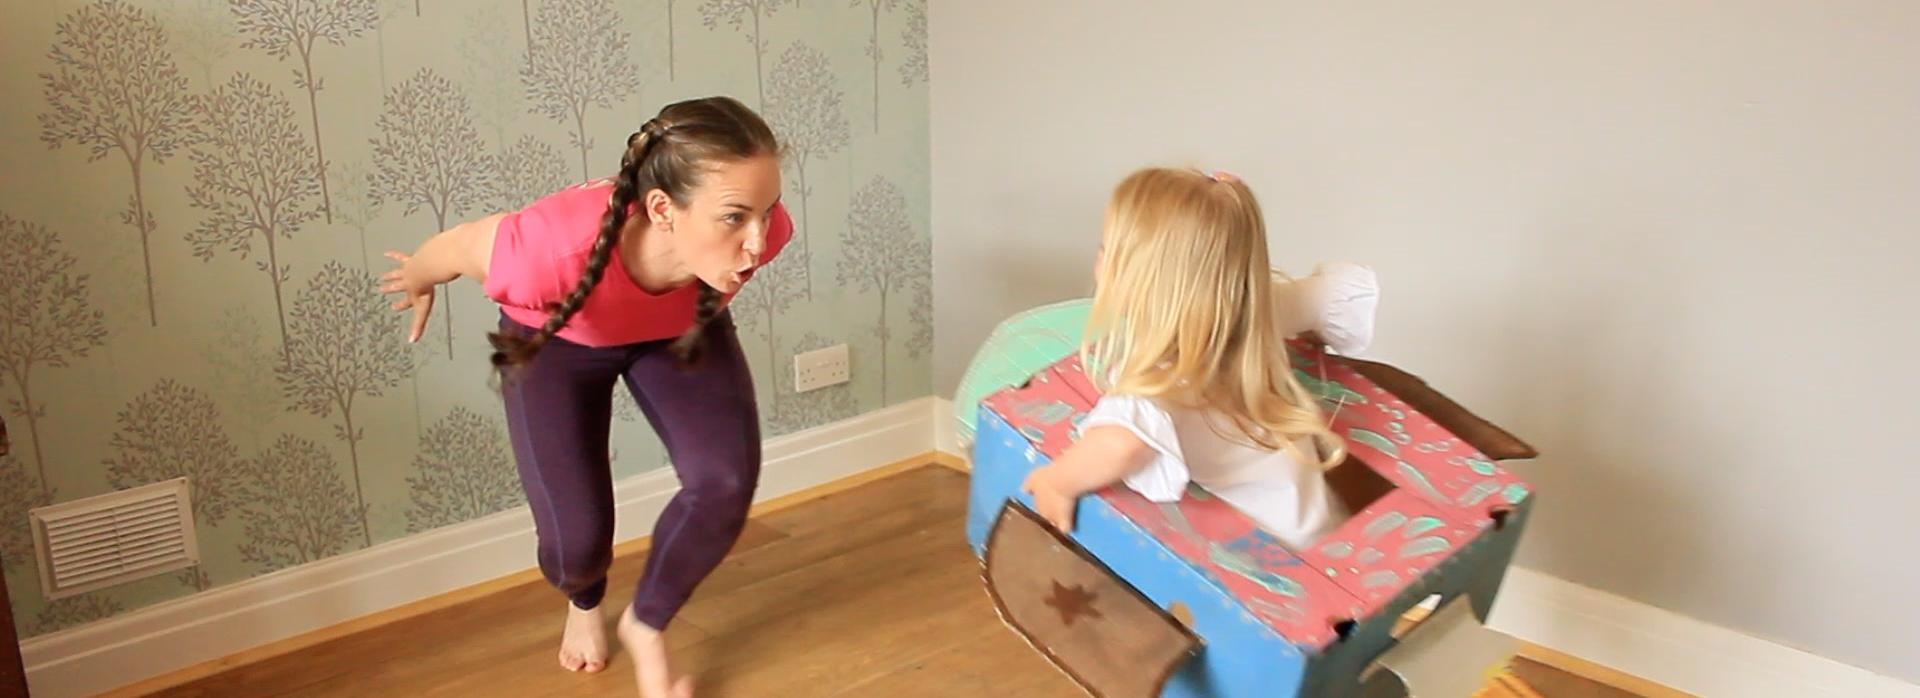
x,y
721,234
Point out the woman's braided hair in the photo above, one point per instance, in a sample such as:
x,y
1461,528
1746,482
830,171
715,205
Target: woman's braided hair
x,y
670,152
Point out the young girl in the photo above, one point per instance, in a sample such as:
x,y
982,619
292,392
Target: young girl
x,y
1185,341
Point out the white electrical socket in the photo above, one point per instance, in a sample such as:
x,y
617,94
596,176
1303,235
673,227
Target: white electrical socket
x,y
820,368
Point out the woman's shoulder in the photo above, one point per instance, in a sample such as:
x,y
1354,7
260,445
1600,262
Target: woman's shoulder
x,y
536,246
590,193
565,221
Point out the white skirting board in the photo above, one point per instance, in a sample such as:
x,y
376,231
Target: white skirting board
x,y
1670,649
232,618
946,433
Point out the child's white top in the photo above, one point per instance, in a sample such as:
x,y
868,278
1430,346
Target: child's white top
x,y
1285,493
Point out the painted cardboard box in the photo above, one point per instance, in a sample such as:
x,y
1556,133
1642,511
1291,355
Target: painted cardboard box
x,y
1235,612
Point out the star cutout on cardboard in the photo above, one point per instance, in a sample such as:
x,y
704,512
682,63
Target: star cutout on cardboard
x,y
1072,603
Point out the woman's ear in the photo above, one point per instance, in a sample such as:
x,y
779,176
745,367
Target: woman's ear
x,y
659,207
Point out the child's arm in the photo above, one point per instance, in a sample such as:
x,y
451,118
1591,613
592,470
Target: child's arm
x,y
1334,306
1103,456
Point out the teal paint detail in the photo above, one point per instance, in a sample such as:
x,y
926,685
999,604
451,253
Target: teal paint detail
x,y
1387,522
1379,579
1419,479
1479,492
1247,567
1423,524
1424,546
1515,493
1375,440
1329,390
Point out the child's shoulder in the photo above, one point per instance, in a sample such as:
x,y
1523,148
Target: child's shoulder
x,y
1147,417
1155,418
1122,403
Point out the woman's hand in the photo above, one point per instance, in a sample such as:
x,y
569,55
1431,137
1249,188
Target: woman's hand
x,y
1053,499
416,293
463,250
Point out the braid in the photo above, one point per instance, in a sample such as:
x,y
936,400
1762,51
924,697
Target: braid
x,y
514,350
691,345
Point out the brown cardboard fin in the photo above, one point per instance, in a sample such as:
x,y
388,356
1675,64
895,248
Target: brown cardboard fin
x,y
1497,443
1110,639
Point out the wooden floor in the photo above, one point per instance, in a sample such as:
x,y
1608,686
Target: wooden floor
x,y
868,592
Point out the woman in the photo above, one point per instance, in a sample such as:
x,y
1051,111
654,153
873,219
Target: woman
x,y
627,279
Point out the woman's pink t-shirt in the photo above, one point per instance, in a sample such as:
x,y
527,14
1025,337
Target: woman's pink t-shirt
x,y
540,252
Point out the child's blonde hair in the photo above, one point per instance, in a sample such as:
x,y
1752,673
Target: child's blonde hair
x,y
1184,309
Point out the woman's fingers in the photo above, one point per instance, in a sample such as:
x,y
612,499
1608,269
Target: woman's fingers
x,y
420,310
394,280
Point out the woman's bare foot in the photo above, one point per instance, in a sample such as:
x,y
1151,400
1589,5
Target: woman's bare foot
x,y
583,647
648,648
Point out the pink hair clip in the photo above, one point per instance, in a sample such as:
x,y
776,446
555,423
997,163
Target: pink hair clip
x,y
1223,176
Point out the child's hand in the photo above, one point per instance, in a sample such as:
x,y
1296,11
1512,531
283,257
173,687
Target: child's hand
x,y
1051,500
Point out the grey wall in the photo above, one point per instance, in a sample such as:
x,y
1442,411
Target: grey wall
x,y
1663,241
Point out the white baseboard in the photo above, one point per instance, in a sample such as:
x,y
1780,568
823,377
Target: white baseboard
x,y
1670,649
170,636
946,432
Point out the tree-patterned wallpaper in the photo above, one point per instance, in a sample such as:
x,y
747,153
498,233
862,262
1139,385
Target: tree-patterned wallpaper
x,y
197,194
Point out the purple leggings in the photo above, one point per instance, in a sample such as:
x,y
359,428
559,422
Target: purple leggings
x,y
559,410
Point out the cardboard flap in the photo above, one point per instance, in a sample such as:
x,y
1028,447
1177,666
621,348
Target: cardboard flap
x,y
1484,436
1091,624
1448,654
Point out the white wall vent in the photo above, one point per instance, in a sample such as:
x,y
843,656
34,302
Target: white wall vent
x,y
114,538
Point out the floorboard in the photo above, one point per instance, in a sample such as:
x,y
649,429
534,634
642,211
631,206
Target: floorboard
x,y
866,592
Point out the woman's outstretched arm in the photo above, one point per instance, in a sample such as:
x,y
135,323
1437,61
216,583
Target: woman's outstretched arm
x,y
462,250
